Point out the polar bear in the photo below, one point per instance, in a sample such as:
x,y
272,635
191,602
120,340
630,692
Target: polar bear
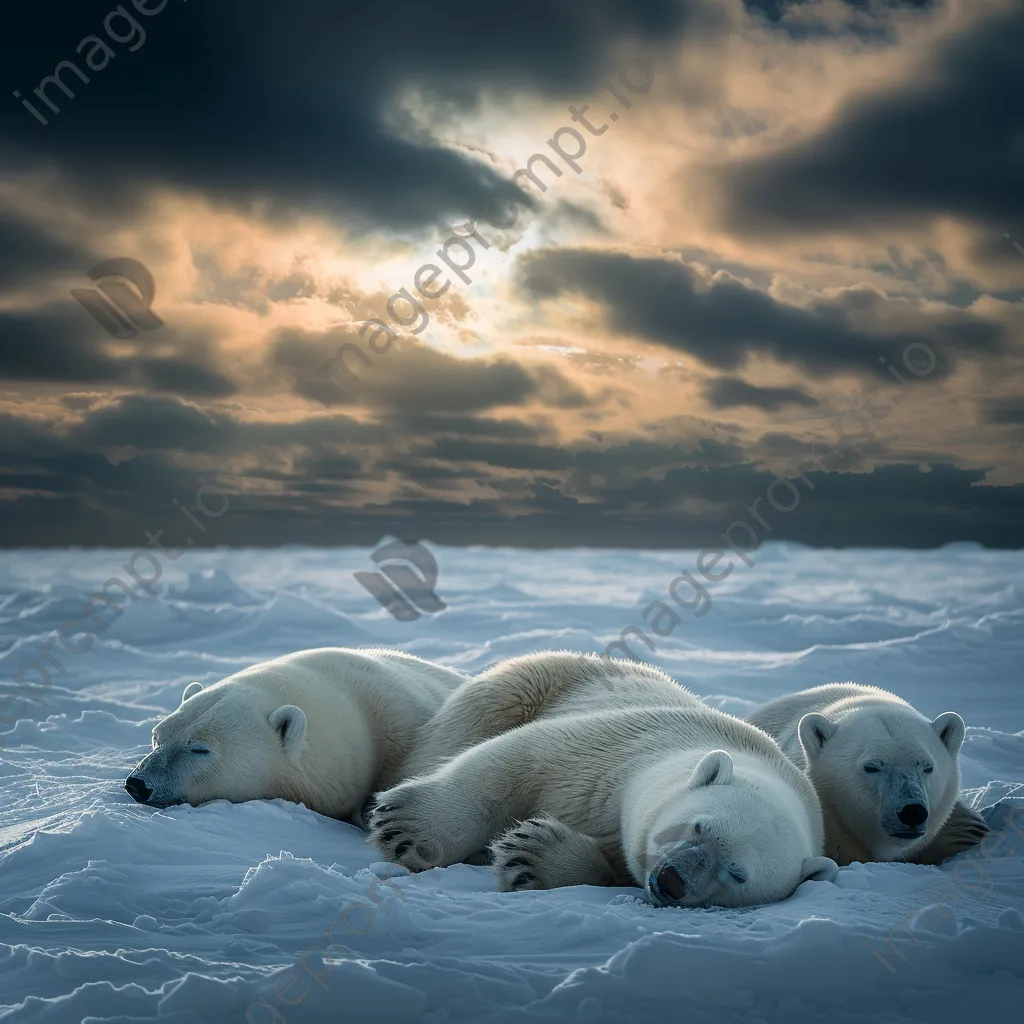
x,y
887,777
324,727
656,790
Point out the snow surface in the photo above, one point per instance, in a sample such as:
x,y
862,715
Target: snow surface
x,y
114,912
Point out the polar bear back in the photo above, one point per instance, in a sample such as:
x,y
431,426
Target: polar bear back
x,y
538,686
398,688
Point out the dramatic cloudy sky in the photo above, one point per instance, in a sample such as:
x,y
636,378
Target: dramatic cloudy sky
x,y
807,195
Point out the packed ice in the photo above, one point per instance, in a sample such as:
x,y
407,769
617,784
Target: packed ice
x,y
267,912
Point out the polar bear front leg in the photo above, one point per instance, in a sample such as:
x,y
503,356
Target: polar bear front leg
x,y
544,853
446,816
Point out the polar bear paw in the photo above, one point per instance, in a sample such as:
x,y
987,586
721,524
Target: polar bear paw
x,y
400,826
964,829
544,853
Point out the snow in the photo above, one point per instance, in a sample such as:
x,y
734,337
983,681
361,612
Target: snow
x,y
113,912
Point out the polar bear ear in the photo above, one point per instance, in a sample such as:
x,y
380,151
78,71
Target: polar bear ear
x,y
714,769
950,728
190,691
289,722
815,731
819,869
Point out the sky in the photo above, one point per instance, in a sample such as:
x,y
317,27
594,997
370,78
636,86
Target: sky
x,y
533,273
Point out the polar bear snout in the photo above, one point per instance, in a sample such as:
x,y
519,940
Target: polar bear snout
x,y
148,791
137,788
683,876
671,882
913,816
903,804
154,781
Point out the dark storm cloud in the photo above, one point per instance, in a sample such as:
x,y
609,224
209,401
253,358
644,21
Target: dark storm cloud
x,y
895,506
775,10
436,424
727,392
616,464
58,344
27,253
255,100
892,506
724,321
179,376
508,456
156,424
411,377
1005,410
945,143
61,343
286,107
635,494
803,19
23,438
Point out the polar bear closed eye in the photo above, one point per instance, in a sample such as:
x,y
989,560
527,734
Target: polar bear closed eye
x,y
324,727
888,778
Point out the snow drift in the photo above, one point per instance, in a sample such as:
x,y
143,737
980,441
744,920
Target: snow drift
x,y
268,912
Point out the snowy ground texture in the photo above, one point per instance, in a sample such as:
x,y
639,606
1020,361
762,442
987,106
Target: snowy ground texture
x,y
265,911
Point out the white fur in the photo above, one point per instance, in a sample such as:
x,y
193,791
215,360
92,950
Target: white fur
x,y
532,687
324,727
838,733
618,775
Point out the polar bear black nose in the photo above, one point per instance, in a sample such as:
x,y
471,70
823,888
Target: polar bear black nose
x,y
671,882
913,815
137,789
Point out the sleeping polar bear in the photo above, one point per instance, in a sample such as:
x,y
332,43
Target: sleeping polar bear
x,y
324,727
887,778
657,790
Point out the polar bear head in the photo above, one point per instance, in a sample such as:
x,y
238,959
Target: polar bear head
x,y
889,775
731,837
226,742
